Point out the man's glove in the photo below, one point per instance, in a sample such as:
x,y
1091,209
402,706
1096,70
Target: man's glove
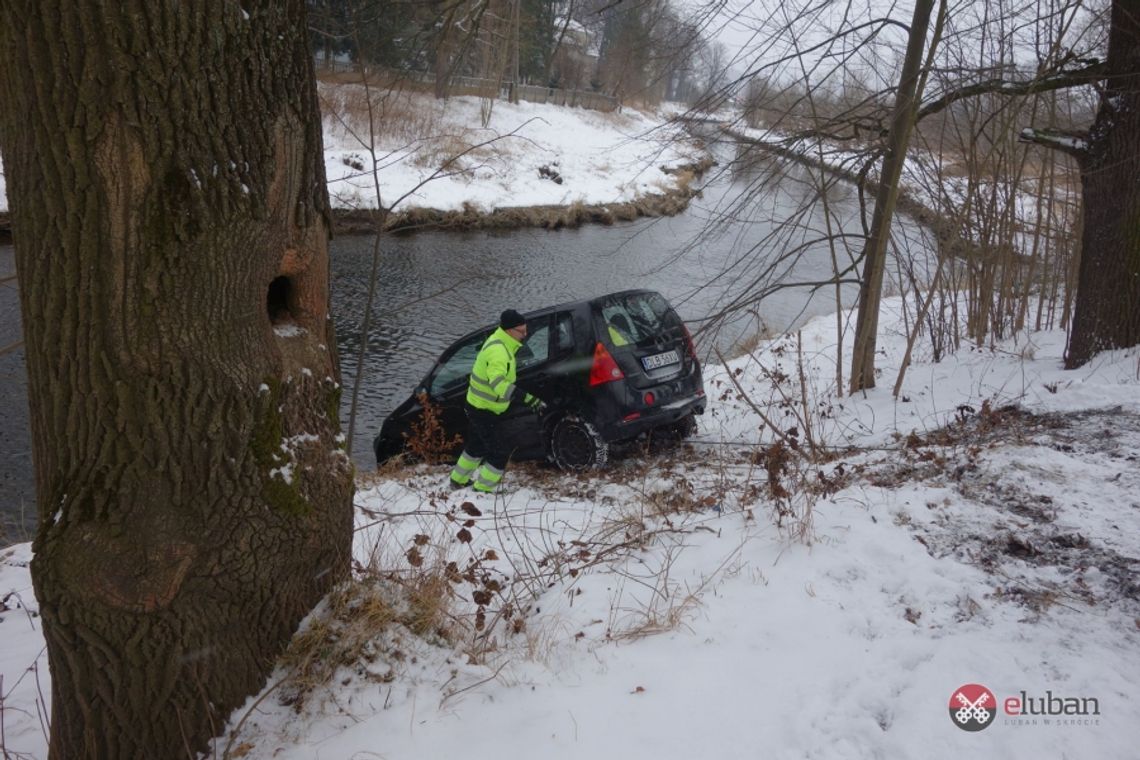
x,y
535,403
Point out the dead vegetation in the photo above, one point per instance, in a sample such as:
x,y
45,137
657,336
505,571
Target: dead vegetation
x,y
428,441
1026,538
668,203
383,111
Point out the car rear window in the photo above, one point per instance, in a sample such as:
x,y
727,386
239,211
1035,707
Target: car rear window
x,y
636,319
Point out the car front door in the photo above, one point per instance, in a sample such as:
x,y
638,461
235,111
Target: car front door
x,y
521,427
447,384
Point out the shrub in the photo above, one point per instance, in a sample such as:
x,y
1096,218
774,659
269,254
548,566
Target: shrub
x,y
428,441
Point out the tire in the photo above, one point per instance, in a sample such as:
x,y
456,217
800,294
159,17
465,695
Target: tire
x,y
384,450
576,445
668,437
686,427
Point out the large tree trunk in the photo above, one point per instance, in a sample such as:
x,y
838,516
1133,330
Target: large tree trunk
x,y
1107,311
875,247
166,184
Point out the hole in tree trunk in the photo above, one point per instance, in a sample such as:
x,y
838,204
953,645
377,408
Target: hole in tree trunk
x,y
279,301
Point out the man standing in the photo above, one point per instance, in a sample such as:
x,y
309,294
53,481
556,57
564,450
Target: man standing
x,y
489,394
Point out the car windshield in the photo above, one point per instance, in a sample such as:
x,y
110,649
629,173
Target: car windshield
x,y
636,319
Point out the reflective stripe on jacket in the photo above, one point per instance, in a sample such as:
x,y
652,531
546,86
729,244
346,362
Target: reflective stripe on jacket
x,y
493,376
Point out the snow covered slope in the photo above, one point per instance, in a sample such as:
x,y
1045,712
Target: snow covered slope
x,y
730,600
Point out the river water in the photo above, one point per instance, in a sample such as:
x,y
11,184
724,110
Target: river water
x,y
435,286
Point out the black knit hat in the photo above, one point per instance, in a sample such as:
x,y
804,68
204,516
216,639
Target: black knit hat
x,y
511,318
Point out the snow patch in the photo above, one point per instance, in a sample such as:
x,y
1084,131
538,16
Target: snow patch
x,y
289,330
284,472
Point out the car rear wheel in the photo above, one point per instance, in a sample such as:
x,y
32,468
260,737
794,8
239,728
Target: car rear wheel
x,y
577,445
668,437
686,427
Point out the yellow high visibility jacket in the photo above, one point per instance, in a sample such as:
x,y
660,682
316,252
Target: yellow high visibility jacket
x,y
493,376
616,336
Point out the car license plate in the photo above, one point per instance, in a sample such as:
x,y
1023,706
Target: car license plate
x,y
660,360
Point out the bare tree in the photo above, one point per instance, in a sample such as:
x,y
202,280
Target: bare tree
x,y
801,51
714,71
907,95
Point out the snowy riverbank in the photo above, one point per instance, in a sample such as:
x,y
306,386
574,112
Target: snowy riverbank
x,y
732,600
437,164
435,154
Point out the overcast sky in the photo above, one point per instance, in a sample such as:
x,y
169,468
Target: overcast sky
x,y
789,38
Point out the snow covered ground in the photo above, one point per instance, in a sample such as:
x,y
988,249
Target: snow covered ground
x,y
599,157
730,598
434,153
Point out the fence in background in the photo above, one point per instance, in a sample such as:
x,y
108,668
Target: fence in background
x,y
485,88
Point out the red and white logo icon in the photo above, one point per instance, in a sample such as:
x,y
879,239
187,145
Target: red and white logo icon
x,y
972,707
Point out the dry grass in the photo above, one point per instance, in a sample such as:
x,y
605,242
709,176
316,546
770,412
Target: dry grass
x,y
410,119
398,116
429,597
750,343
684,179
344,636
451,153
359,625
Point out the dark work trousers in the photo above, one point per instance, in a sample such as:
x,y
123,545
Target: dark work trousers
x,y
485,438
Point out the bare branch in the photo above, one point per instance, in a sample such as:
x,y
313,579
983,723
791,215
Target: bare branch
x,y
1073,143
1058,80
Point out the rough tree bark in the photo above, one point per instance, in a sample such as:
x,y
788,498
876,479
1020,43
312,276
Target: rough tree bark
x,y
875,247
1107,312
166,183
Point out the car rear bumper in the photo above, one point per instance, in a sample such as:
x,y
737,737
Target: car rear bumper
x,y
656,417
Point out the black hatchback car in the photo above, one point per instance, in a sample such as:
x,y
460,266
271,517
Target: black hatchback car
x,y
610,369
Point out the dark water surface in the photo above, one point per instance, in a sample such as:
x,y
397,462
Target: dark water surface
x,y
435,286
17,493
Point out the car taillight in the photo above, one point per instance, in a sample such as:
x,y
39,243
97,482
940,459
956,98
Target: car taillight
x,y
605,369
650,398
689,340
